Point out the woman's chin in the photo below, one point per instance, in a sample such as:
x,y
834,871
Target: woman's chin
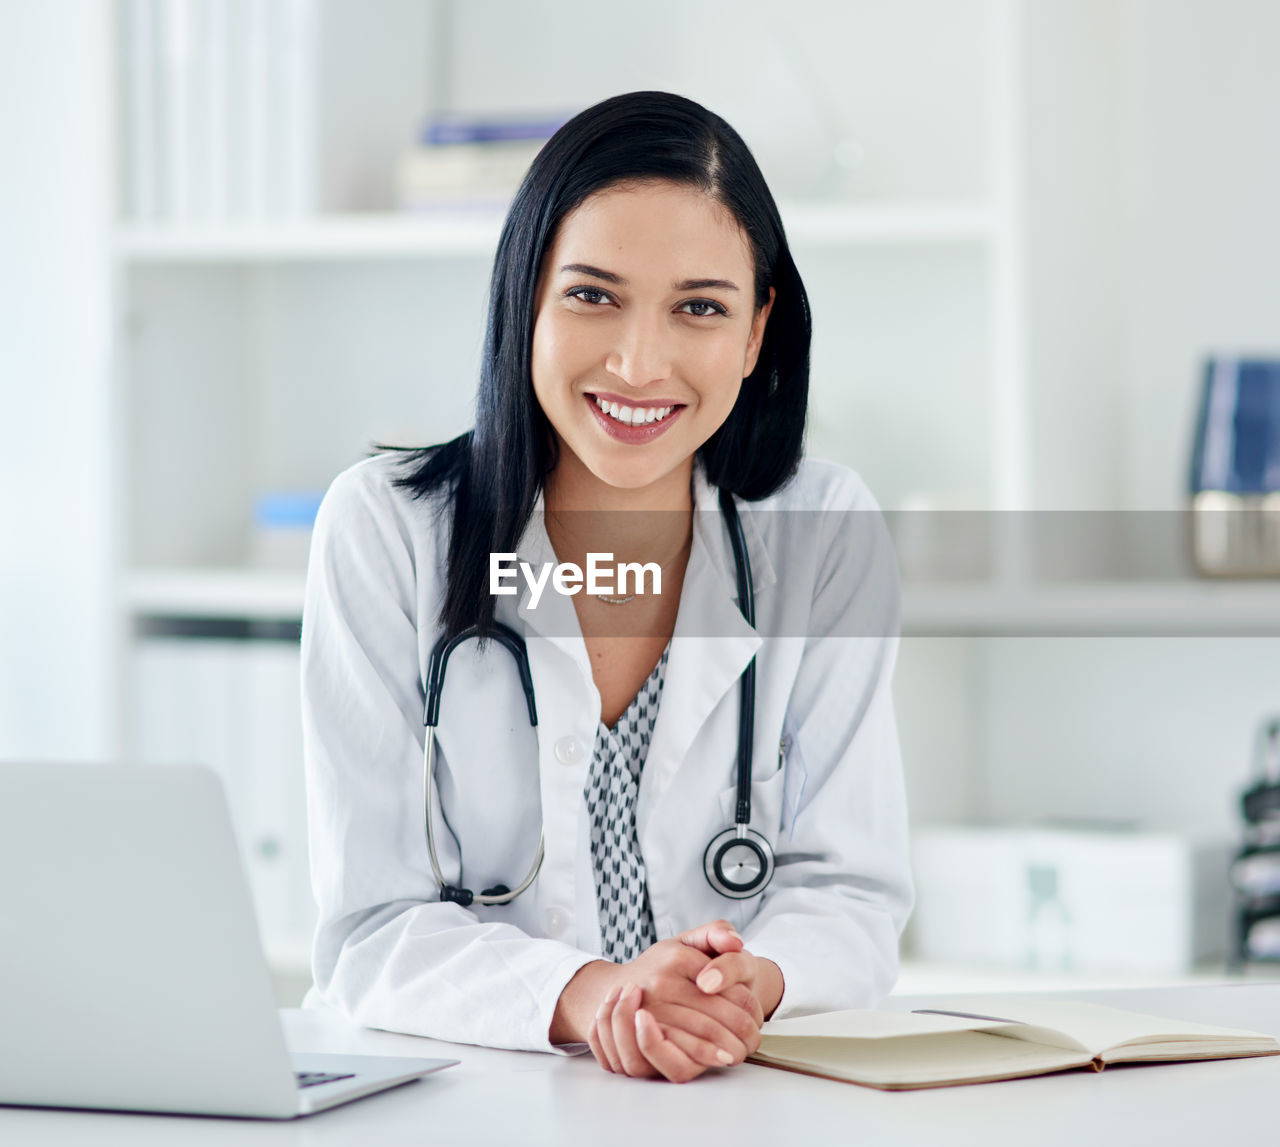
x,y
632,473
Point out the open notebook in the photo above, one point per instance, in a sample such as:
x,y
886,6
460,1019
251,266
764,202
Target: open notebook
x,y
993,1038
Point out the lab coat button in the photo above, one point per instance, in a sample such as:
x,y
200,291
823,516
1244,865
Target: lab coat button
x,y
569,751
557,921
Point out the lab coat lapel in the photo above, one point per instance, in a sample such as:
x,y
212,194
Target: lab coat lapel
x,y
568,707
711,646
555,619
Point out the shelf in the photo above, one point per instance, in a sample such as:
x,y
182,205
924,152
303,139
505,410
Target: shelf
x,y
1238,609
919,978
816,223
238,593
334,237
475,232
1136,608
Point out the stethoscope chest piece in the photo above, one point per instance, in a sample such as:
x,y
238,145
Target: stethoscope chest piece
x,y
738,862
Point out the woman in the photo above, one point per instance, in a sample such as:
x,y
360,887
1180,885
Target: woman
x,y
646,355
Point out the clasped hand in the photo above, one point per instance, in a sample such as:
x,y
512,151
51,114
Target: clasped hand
x,y
682,1006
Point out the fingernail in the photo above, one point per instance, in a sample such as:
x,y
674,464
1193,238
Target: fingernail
x,y
723,1056
710,981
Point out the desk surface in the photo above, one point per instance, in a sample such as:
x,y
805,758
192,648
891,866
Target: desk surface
x,y
499,1097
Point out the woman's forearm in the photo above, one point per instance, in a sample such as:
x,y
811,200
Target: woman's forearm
x,y
581,998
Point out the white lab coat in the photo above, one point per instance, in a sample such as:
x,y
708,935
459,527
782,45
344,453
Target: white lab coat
x,y
827,788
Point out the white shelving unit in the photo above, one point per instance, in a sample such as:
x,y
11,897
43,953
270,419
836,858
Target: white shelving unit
x,y
231,592
421,236
268,355
1122,608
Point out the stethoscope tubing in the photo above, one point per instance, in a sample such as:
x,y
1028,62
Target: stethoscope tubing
x,y
738,837
460,895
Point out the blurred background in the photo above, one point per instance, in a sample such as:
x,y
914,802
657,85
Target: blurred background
x,y
240,240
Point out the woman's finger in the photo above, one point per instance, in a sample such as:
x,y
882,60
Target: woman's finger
x,y
713,938
630,1056
743,997
604,1029
738,1020
730,968
663,1053
734,1038
597,1050
701,1051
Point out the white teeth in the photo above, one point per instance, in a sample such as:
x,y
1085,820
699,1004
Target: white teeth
x,y
634,415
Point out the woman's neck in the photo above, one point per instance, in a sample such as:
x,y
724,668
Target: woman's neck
x,y
648,524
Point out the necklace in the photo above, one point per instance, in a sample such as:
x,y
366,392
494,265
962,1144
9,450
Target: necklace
x,y
631,596
662,567
615,600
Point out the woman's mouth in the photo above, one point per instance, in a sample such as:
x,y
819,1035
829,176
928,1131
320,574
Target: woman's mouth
x,y
633,424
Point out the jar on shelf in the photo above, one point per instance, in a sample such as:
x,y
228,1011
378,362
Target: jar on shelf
x,y
1235,469
282,525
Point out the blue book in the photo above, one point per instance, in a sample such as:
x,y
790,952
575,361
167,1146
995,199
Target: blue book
x,y
453,129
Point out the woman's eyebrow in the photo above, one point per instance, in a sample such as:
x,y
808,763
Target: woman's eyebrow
x,y
618,280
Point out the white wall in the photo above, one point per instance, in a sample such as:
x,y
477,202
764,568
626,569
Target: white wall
x,y
1077,85
55,179
1204,175
938,709
1155,729
901,80
1153,181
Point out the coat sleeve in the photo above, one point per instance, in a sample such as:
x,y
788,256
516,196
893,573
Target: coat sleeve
x,y
387,953
842,891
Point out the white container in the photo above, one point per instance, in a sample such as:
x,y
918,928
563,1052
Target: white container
x,y
1068,900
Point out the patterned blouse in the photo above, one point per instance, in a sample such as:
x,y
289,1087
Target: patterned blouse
x,y
613,783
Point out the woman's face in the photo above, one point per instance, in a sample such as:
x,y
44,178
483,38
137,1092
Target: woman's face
x,y
645,306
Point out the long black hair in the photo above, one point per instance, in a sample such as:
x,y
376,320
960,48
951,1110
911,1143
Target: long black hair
x,y
495,472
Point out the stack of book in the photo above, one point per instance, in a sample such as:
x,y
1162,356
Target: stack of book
x,y
470,161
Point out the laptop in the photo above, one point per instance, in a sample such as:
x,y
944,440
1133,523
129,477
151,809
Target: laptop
x,y
131,973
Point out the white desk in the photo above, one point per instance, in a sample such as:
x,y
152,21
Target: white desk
x,y
514,1098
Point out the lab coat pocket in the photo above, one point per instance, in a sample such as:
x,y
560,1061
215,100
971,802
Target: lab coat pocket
x,y
766,804
775,799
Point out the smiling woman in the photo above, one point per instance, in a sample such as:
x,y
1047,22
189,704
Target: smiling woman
x,y
672,331
643,392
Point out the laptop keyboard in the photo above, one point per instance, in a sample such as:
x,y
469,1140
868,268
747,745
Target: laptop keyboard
x,y
311,1078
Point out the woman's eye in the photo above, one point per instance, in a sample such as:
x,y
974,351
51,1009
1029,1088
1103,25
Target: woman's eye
x,y
590,295
707,308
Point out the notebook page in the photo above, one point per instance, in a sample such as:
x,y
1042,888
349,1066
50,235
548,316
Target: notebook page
x,y
1096,1027
866,1023
912,1061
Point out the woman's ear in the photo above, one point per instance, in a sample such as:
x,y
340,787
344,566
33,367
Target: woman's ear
x,y
757,335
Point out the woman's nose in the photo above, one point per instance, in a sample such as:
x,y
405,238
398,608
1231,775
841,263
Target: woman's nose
x,y
640,354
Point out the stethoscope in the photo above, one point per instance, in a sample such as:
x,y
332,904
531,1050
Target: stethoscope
x,y
738,862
